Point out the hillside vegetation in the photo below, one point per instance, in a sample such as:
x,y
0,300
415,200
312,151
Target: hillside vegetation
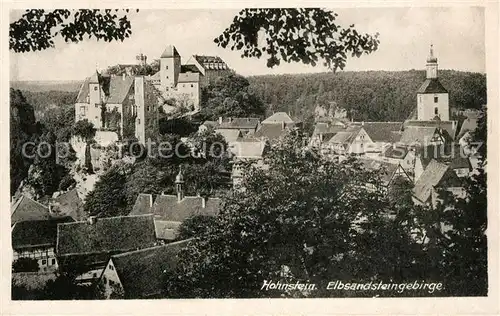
x,y
367,95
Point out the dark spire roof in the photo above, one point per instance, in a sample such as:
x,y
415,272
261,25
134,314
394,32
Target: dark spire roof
x,y
432,85
170,51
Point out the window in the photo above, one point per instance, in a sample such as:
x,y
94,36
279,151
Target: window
x,y
95,88
436,111
111,267
52,261
435,99
94,275
138,121
96,105
166,67
192,85
82,110
44,262
183,85
149,108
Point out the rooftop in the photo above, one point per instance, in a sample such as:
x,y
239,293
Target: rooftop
x,y
434,175
36,233
26,209
432,85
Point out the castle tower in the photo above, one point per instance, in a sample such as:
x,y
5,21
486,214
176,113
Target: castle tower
x,y
170,67
95,100
432,97
179,184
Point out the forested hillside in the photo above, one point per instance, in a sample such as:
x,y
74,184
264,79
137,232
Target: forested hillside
x,y
367,95
44,101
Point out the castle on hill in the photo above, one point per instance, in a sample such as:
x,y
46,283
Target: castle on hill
x,y
128,105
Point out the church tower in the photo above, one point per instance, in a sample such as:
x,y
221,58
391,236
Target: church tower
x,y
432,97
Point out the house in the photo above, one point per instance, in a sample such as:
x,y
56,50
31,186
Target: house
x,y
210,67
382,133
37,239
246,125
69,204
84,248
467,129
118,105
278,118
421,136
247,150
276,126
388,171
26,209
140,273
437,175
452,156
324,131
354,140
170,211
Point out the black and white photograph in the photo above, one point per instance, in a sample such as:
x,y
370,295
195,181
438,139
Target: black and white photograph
x,y
250,152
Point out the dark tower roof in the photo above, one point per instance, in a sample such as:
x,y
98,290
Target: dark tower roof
x,y
170,51
431,85
431,58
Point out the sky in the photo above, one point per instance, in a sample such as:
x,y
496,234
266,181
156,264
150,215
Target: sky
x,y
457,33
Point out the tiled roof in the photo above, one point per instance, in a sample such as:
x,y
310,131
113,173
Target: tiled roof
x,y
230,135
386,132
106,235
249,148
346,137
432,86
386,169
434,175
447,154
167,230
167,208
469,125
26,209
325,128
70,204
189,68
448,126
206,61
271,131
239,123
278,117
154,77
170,51
84,91
36,233
189,77
119,87
142,272
396,152
417,135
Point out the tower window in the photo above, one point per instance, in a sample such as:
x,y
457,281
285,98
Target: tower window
x,y
435,99
166,67
192,85
436,111
95,88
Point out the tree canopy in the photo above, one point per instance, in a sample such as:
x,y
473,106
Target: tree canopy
x,y
36,29
307,35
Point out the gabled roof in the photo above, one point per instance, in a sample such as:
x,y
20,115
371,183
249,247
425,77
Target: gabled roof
x,y
189,77
239,123
249,148
434,175
278,117
119,88
189,68
448,126
386,132
106,235
167,208
38,233
432,85
271,131
26,209
206,61
386,170
450,155
418,135
346,137
327,129
70,204
230,135
396,152
143,204
153,77
95,78
84,91
170,51
142,272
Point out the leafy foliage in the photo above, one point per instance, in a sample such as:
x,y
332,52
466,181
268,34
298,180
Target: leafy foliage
x,y
229,96
306,35
138,70
108,196
37,28
25,265
84,129
195,226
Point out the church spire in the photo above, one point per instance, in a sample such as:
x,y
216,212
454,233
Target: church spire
x,y
432,65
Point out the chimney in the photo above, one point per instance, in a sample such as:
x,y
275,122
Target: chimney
x,y
203,202
123,76
220,120
151,200
179,184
